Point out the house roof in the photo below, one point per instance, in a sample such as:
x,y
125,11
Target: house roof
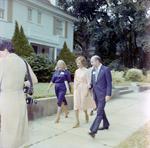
x,y
48,3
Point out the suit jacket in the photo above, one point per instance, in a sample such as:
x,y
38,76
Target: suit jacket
x,y
102,87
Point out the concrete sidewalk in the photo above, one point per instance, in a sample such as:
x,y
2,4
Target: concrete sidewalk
x,y
126,115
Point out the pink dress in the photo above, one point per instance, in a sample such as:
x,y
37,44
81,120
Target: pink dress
x,y
82,97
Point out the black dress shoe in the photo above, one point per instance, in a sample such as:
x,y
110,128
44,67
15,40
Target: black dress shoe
x,y
102,128
91,134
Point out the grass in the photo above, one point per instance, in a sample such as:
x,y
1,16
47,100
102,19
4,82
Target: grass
x,y
139,139
40,89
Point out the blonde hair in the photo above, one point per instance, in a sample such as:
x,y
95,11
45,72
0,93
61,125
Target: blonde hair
x,y
61,61
82,59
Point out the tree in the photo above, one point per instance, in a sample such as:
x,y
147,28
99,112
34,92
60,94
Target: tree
x,y
85,11
20,42
124,32
132,21
112,26
25,49
16,37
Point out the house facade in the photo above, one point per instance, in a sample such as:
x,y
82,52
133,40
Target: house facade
x,y
46,26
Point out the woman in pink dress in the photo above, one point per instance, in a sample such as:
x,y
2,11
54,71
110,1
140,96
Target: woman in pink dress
x,y
82,97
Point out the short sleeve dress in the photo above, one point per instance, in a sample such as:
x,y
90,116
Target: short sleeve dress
x,y
60,89
82,97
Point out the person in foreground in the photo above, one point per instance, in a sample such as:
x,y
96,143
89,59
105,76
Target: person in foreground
x,y
13,107
60,76
101,83
82,97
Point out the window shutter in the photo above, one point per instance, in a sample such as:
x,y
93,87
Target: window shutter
x,y
66,29
9,10
54,25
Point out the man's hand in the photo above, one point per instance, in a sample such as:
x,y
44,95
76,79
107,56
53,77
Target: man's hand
x,y
71,91
107,98
88,87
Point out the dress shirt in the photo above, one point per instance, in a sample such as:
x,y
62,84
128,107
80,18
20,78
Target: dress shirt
x,y
97,71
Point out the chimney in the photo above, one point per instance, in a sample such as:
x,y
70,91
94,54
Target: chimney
x,y
56,3
53,2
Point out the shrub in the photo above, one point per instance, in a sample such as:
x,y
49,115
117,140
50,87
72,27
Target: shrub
x,y
117,76
146,78
72,68
134,75
66,55
69,58
42,66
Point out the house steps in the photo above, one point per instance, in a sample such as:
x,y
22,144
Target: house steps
x,y
124,90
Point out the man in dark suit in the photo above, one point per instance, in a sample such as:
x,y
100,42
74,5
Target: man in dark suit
x,y
101,84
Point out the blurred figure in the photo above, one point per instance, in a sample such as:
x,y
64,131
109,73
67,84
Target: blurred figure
x,y
82,97
60,76
14,120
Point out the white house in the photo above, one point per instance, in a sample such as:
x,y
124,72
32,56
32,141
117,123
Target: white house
x,y
46,26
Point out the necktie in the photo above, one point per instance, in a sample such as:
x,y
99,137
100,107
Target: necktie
x,y
96,74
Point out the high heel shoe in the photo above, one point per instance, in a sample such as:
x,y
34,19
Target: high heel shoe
x,y
87,118
66,116
77,124
57,120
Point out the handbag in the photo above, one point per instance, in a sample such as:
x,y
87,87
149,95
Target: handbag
x,y
67,87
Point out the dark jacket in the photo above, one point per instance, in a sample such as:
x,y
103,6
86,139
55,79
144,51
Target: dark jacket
x,y
102,87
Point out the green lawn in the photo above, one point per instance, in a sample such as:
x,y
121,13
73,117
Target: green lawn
x,y
40,90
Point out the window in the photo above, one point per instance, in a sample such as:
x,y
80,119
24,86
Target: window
x,y
39,18
59,27
29,14
1,14
2,9
58,51
35,48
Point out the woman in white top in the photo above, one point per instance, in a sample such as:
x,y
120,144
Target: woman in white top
x,y
82,97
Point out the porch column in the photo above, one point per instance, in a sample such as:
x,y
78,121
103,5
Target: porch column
x,y
55,53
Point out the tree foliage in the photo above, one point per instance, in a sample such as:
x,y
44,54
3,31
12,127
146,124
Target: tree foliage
x,y
85,11
20,42
16,37
119,29
66,55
